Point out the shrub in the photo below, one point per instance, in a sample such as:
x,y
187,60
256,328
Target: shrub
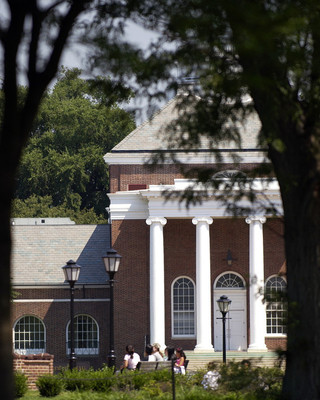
x,y
49,386
76,379
252,383
20,384
195,378
139,380
269,383
83,380
236,376
102,380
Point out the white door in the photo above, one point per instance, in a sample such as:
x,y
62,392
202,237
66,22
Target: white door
x,y
236,322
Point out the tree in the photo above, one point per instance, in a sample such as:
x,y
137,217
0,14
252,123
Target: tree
x,y
33,36
63,161
268,51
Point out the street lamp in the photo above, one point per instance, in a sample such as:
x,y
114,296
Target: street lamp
x,y
224,305
111,262
71,274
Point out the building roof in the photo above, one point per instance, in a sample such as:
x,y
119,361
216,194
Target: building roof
x,y
39,252
149,137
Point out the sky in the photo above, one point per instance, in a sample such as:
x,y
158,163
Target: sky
x,y
75,56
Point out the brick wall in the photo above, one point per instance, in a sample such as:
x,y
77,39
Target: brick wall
x,y
123,175
33,366
55,314
131,290
276,343
131,239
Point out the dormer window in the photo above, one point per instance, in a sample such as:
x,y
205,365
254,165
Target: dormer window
x,y
137,186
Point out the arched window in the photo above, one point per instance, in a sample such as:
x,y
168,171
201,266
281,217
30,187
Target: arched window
x,y
230,174
29,336
183,307
276,305
86,335
229,280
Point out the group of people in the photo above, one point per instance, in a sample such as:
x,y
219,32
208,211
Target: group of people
x,y
153,353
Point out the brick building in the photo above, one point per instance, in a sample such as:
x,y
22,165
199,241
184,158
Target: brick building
x,y
41,307
177,261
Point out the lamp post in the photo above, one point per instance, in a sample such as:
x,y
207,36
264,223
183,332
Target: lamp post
x,y
71,274
111,262
224,305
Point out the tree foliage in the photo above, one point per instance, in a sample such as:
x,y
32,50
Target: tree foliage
x,y
33,36
249,57
266,49
62,171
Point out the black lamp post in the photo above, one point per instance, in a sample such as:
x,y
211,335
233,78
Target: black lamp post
x,y
111,262
224,305
71,274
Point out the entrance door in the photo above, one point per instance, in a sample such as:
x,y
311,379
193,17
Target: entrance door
x,y
236,322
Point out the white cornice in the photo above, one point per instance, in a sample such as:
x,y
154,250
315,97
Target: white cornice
x,y
142,204
128,205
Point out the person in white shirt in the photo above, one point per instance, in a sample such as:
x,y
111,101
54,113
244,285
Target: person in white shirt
x,y
148,353
131,359
156,352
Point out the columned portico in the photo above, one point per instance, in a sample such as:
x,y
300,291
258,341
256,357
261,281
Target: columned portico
x,y
256,272
203,292
157,312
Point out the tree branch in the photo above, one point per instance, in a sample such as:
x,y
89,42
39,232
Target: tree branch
x,y
37,19
11,40
38,81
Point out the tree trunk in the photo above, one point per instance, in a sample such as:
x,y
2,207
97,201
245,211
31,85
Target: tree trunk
x,y
303,273
297,173
7,172
6,378
16,124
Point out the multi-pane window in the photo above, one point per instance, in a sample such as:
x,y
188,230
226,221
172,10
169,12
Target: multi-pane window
x,y
276,305
86,335
183,307
29,336
229,280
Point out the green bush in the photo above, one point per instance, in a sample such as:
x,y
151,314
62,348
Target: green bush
x,y
102,380
76,379
49,386
20,384
252,383
83,380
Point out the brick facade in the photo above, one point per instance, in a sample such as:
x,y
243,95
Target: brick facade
x,y
163,174
131,239
54,311
39,252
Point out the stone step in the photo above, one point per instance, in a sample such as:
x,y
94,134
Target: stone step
x,y
199,360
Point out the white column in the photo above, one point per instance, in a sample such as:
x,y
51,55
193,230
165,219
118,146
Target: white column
x,y
256,289
203,287
157,314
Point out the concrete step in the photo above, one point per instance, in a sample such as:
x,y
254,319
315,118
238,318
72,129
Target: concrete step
x,y
200,360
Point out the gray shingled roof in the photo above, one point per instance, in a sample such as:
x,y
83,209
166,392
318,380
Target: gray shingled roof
x,y
39,252
149,136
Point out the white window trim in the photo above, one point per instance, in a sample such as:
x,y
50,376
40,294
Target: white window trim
x,y
229,287
83,351
29,351
173,335
274,335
